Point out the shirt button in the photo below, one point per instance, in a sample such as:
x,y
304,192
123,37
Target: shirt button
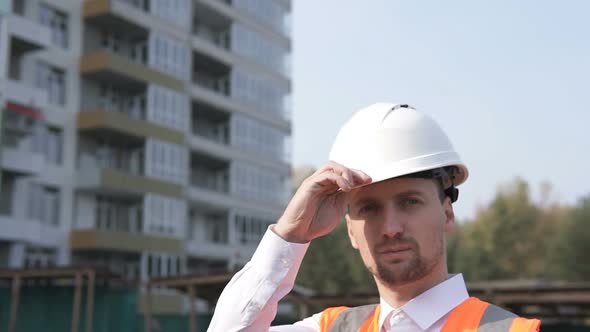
x,y
396,318
285,262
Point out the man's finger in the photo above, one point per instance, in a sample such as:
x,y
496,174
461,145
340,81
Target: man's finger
x,y
333,179
353,176
360,177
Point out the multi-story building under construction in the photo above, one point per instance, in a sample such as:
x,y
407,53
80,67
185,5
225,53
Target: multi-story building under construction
x,y
149,136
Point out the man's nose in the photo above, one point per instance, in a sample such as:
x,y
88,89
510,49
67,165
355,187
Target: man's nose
x,y
393,223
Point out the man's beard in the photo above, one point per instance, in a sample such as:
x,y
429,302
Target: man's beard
x,y
401,272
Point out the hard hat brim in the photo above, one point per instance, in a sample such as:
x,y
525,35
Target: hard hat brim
x,y
419,164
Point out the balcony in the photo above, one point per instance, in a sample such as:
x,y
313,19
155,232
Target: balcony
x,y
211,74
225,151
102,122
117,182
94,239
226,200
30,231
208,233
116,14
18,141
28,35
209,173
22,161
25,94
210,123
210,250
220,101
236,10
103,65
211,135
212,37
212,27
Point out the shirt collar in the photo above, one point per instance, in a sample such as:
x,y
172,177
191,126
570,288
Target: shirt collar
x,y
439,300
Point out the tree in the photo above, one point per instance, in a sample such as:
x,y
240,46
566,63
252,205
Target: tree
x,y
570,254
501,242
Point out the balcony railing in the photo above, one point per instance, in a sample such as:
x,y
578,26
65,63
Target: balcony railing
x,y
139,4
220,39
210,181
117,159
219,85
215,131
279,22
118,217
132,106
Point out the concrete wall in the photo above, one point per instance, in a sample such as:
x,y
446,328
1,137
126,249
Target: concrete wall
x,y
85,211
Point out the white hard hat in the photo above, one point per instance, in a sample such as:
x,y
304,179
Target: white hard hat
x,y
388,140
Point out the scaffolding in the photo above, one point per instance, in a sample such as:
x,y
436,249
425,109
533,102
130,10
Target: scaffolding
x,y
76,276
207,287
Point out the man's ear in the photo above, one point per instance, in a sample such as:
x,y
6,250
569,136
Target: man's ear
x,y
350,231
449,215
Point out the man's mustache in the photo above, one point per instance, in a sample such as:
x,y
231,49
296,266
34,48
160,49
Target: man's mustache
x,y
397,241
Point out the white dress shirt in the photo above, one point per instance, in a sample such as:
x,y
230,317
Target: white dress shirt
x,y
249,301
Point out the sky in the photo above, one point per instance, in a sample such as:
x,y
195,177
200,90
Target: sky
x,y
509,81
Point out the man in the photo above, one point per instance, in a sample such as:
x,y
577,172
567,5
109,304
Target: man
x,y
392,174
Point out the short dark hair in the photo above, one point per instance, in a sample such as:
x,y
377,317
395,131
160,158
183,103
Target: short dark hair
x,y
437,175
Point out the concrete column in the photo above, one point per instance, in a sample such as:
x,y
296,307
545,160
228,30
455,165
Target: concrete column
x,y
64,256
16,255
143,267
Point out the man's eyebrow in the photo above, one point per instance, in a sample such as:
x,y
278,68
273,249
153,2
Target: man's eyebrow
x,y
400,194
362,201
409,192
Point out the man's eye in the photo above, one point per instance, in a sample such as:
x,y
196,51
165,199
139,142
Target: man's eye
x,y
369,208
411,201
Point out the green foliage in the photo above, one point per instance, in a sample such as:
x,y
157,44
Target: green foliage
x,y
570,254
498,243
514,237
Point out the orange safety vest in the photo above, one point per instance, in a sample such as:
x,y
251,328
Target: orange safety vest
x,y
472,315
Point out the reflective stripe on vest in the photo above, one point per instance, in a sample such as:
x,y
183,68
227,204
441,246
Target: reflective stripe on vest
x,y
473,315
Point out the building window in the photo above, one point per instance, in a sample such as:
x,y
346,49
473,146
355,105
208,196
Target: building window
x,y
110,40
257,48
167,107
161,265
57,21
53,152
36,257
256,92
175,11
118,215
254,136
166,161
257,184
52,80
216,229
169,55
164,216
44,204
250,229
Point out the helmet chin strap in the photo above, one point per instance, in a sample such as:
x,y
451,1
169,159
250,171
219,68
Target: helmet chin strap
x,y
453,193
443,173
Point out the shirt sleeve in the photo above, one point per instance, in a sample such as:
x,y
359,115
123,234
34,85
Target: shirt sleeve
x,y
249,301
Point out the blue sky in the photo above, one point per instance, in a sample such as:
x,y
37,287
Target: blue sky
x,y
508,80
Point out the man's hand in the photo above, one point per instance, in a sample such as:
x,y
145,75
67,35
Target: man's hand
x,y
319,203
